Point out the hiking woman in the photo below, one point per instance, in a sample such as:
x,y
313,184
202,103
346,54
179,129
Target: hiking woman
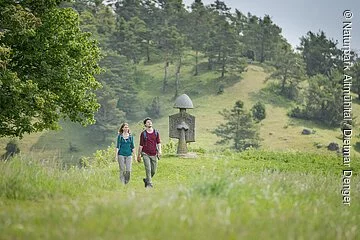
x,y
124,151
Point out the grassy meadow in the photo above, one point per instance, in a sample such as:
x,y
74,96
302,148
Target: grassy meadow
x,y
248,195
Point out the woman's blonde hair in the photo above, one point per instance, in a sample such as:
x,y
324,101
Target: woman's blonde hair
x,y
121,129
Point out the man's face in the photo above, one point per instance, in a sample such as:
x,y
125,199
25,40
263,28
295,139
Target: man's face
x,y
148,123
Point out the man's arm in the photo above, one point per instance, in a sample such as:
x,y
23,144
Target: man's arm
x,y
158,147
139,153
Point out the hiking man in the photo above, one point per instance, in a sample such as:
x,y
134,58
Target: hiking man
x,y
149,150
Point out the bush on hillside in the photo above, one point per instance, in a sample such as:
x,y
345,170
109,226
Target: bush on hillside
x,y
258,112
11,148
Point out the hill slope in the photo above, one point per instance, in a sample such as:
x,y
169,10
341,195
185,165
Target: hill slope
x,y
278,131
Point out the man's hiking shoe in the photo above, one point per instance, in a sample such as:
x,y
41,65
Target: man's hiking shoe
x,y
147,184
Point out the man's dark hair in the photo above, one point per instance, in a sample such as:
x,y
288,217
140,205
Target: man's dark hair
x,y
147,119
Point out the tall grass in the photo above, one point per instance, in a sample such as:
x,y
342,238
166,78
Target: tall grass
x,y
249,195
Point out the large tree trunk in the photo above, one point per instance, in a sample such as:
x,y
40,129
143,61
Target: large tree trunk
x,y
196,63
177,78
283,82
210,64
148,51
165,82
223,67
262,51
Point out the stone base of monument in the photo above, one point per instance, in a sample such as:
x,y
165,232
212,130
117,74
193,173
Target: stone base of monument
x,y
187,155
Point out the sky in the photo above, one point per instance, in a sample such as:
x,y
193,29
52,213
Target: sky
x,y
296,18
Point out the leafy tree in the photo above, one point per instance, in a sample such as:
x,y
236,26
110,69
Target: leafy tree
x,y
289,70
120,76
96,18
239,22
83,5
47,68
154,109
151,15
177,74
223,46
131,39
109,116
323,101
320,54
199,30
105,25
239,128
127,9
261,37
173,13
170,42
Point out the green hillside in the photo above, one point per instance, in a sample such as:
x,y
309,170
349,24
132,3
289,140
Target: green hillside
x,y
236,57
278,131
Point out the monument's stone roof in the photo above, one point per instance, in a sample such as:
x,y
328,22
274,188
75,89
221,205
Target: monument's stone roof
x,y
183,101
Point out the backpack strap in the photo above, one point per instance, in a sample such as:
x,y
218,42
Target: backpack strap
x,y
145,137
120,138
119,142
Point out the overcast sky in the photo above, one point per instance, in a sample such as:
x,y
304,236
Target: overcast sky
x,y
296,18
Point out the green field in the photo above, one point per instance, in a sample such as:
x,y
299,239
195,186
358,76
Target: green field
x,y
249,195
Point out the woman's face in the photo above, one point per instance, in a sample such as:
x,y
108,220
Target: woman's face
x,y
126,128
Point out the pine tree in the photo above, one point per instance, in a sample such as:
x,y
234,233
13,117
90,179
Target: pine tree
x,y
289,71
239,128
320,54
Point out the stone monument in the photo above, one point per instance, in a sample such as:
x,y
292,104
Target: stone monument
x,y
182,124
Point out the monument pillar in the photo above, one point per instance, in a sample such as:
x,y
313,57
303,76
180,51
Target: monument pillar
x,y
182,124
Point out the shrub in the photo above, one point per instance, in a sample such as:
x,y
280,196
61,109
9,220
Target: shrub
x,y
11,148
258,112
103,158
